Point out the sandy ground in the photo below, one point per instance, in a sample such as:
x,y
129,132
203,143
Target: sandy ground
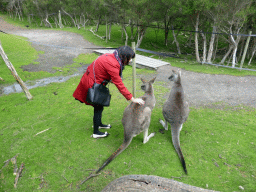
x,y
201,89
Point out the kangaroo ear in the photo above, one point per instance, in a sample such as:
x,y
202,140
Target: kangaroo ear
x,y
143,81
153,80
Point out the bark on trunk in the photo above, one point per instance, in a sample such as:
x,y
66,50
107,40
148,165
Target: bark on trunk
x,y
176,41
141,34
210,51
131,24
126,35
60,21
74,22
226,55
235,45
98,24
46,21
109,31
253,52
196,39
15,74
204,48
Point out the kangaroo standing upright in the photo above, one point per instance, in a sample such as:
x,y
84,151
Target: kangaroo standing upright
x,y
136,118
175,111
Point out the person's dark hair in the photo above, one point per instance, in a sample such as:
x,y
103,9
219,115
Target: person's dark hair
x,y
125,52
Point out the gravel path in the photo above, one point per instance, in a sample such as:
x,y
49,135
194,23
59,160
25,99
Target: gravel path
x,y
201,89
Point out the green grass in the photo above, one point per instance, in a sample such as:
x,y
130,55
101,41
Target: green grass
x,y
68,151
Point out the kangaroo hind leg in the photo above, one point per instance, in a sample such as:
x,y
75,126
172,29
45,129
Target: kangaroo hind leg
x,y
145,124
147,137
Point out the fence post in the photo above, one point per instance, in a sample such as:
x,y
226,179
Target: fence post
x,y
245,49
134,71
15,74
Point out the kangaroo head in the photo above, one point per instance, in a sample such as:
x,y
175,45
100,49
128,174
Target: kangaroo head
x,y
175,77
147,86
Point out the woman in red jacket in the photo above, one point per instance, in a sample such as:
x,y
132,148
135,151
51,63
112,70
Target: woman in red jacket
x,y
106,67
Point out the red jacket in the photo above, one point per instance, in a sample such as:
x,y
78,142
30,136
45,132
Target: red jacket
x,y
106,67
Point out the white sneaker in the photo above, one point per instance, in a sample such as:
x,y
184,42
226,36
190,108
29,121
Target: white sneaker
x,y
100,135
108,127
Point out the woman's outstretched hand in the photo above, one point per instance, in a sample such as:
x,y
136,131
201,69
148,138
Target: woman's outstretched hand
x,y
137,100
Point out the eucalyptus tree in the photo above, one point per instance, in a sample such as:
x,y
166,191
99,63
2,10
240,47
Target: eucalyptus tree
x,y
142,13
14,7
234,16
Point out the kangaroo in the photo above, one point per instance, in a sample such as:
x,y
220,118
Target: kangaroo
x,y
136,118
175,111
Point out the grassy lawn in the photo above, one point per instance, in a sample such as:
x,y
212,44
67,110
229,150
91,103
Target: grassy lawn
x,y
218,143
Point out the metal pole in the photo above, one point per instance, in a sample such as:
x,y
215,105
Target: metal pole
x,y
245,49
134,71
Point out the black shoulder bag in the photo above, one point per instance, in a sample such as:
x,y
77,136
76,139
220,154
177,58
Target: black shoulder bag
x,y
98,94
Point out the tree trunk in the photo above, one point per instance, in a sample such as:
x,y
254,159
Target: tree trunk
x,y
242,48
106,29
234,57
226,55
74,22
196,39
204,48
216,48
15,74
126,36
98,24
60,21
109,31
175,40
141,34
166,33
245,49
210,51
131,24
253,52
235,45
252,55
46,20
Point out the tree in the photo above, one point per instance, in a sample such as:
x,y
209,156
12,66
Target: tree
x,y
234,16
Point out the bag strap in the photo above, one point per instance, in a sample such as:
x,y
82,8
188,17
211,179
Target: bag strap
x,y
93,71
94,74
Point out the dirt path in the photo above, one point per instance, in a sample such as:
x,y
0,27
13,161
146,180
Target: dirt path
x,y
201,89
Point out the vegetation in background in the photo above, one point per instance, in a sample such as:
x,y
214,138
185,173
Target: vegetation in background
x,y
218,142
216,23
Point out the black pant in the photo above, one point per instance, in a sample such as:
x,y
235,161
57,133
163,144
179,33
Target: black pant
x,y
98,109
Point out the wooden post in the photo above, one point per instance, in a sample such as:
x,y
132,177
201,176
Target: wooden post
x,y
245,49
14,73
134,71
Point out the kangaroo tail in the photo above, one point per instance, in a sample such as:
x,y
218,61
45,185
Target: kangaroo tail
x,y
117,152
176,144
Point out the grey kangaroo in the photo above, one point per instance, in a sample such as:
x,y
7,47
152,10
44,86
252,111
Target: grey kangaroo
x,y
136,118
175,111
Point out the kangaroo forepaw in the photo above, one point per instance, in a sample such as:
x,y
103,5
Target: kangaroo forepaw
x,y
163,124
